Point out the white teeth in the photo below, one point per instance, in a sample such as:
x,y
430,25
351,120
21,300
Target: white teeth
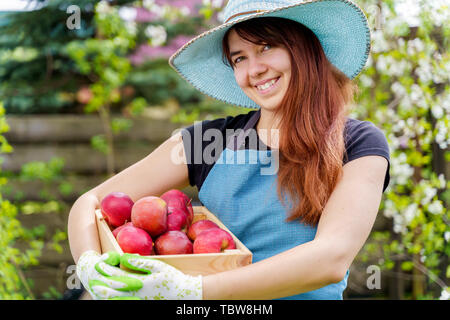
x,y
267,85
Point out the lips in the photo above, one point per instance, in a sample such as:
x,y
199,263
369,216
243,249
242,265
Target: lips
x,y
267,85
264,81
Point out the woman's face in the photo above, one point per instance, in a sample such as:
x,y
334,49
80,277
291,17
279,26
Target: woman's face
x,y
262,71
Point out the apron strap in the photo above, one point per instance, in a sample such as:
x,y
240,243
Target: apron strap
x,y
236,141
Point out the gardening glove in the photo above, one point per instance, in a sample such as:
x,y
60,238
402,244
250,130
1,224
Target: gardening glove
x,y
157,281
90,272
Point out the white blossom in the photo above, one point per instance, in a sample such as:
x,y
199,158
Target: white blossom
x,y
367,81
389,209
447,236
131,27
393,23
416,92
410,213
148,3
437,111
409,11
422,257
398,68
415,46
127,13
157,34
399,224
439,11
157,10
442,137
445,294
424,71
436,207
401,171
429,193
185,11
398,89
217,3
399,126
379,43
442,182
382,64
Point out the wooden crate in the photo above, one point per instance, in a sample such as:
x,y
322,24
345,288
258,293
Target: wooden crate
x,y
192,264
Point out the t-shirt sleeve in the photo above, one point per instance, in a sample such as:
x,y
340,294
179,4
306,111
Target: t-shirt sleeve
x,y
363,138
195,141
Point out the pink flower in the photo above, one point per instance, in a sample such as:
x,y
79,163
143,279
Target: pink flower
x,y
192,5
146,52
145,15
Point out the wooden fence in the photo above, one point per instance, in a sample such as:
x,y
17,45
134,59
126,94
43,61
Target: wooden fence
x,y
44,137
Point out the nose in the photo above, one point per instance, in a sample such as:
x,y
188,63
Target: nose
x,y
256,67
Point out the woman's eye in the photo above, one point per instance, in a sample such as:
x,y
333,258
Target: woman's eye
x,y
238,59
265,48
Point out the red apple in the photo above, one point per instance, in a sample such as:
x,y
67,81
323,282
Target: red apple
x,y
197,227
135,240
177,220
213,240
178,199
116,208
117,230
150,214
173,242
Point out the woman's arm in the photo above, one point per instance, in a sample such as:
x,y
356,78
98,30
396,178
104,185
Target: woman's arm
x,y
343,228
165,168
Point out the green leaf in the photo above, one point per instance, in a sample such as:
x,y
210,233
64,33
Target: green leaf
x,y
99,143
119,125
407,266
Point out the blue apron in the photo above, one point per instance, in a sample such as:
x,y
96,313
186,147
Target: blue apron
x,y
242,193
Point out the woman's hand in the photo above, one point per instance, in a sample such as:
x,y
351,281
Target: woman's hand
x,y
160,281
90,268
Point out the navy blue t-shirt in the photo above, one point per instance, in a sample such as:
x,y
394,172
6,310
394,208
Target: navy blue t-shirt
x,y
362,138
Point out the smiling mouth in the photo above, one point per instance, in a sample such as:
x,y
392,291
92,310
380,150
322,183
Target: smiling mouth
x,y
268,86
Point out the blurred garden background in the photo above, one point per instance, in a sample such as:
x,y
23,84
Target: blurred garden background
x,y
86,91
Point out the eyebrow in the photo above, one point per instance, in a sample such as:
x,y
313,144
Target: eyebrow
x,y
235,53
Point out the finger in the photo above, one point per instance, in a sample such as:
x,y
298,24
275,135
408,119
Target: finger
x,y
108,270
101,291
126,283
111,257
144,264
121,283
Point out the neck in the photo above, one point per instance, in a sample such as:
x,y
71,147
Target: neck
x,y
268,128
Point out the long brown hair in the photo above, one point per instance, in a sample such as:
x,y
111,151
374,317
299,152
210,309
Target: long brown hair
x,y
313,113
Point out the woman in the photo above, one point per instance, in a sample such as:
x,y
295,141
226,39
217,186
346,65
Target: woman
x,y
305,201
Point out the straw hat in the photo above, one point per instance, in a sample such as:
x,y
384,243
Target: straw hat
x,y
340,26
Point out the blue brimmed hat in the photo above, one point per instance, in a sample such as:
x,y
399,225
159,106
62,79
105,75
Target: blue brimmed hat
x,y
340,26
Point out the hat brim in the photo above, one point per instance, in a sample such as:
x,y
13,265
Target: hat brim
x,y
340,26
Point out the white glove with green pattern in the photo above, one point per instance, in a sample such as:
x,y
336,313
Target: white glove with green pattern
x,y
160,281
90,271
